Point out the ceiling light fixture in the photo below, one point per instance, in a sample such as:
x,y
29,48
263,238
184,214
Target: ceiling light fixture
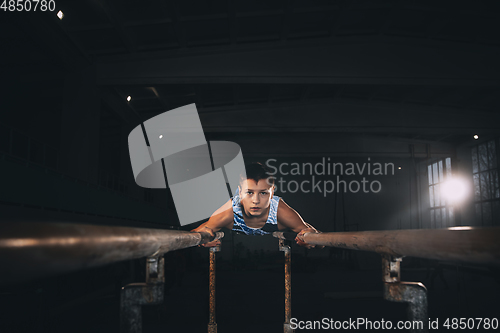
x,y
129,98
60,15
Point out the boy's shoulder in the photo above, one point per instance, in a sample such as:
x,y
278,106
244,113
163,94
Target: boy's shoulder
x,y
283,207
285,212
224,215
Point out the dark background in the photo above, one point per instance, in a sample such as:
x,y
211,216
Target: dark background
x,y
402,82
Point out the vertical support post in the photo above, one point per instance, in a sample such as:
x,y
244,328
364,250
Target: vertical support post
x,y
134,295
212,325
413,293
288,286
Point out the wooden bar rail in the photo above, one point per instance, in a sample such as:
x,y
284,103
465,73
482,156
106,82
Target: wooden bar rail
x,y
31,250
465,244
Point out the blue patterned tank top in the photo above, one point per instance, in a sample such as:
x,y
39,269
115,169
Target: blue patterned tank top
x,y
268,228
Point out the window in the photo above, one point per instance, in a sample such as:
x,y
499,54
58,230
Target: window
x,y
486,187
442,214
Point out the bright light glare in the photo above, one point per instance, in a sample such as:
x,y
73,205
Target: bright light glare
x,y
476,136
454,190
161,136
460,228
129,98
60,15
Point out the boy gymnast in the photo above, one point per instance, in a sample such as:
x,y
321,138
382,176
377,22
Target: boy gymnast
x,y
255,210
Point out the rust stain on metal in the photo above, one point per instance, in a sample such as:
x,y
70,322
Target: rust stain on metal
x,y
394,293
288,287
147,294
212,288
212,328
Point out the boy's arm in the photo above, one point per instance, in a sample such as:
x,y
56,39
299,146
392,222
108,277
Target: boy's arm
x,y
222,217
288,217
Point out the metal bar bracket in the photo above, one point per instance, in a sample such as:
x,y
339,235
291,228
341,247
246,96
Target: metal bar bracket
x,y
412,293
135,295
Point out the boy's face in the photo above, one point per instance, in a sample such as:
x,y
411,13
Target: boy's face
x,y
255,197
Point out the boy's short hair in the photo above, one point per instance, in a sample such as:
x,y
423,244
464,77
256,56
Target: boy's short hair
x,y
257,171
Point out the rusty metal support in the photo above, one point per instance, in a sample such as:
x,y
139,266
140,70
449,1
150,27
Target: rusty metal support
x,y
288,286
212,325
30,250
463,244
413,293
134,295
